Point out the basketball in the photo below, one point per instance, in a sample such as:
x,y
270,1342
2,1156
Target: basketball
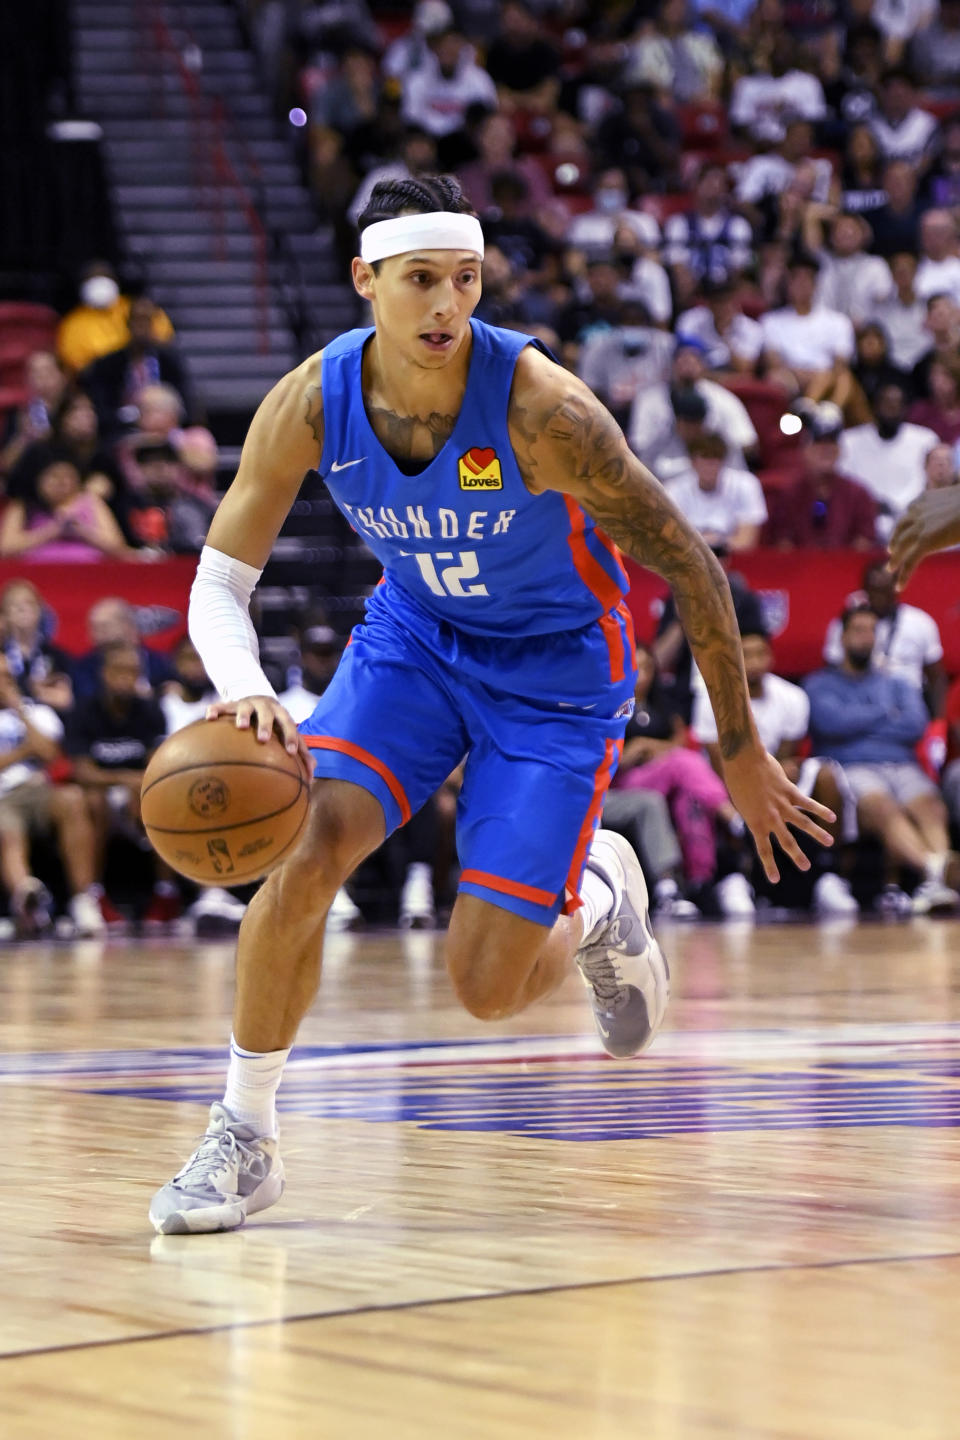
x,y
219,806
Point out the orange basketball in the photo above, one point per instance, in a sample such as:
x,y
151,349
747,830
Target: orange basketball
x,y
221,807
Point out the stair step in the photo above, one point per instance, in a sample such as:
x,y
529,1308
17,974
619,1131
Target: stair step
x,y
205,219
244,315
254,366
227,247
177,129
243,340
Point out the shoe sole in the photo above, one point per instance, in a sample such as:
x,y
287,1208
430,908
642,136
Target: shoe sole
x,y
213,1219
634,882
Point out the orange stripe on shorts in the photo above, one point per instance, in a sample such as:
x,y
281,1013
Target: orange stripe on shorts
x,y
356,752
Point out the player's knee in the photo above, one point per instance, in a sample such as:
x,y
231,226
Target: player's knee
x,y
487,979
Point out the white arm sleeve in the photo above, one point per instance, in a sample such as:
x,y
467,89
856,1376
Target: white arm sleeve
x,y
220,625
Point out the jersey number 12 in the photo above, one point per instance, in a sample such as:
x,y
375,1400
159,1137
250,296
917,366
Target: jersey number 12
x,y
450,579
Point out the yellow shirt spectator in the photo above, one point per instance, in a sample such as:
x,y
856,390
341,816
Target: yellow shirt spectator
x,y
94,329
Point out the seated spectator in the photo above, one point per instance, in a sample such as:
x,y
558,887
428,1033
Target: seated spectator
x,y
850,68
943,181
899,23
708,243
808,347
822,509
943,328
625,360
100,323
762,105
767,175
506,300
674,57
870,722
438,94
664,798
731,340
850,280
40,668
320,651
595,309
645,279
887,455
169,513
62,522
941,412
664,418
903,315
896,224
32,424
862,190
940,468
113,621
939,270
417,156
523,62
497,145
593,231
117,381
30,803
110,738
198,454
906,641
873,367
642,136
513,225
724,503
902,129
935,51
411,49
781,712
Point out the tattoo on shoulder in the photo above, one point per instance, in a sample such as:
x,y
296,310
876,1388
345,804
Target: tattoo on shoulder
x,y
314,411
404,436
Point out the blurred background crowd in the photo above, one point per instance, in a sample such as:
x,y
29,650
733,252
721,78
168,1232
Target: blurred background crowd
x,y
736,220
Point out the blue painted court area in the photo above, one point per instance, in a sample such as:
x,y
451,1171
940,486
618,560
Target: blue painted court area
x,y
558,1089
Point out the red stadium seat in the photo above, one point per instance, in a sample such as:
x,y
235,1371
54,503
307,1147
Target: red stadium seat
x,y
703,125
765,403
661,207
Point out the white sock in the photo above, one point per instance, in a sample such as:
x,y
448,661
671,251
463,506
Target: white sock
x,y
598,902
252,1084
935,867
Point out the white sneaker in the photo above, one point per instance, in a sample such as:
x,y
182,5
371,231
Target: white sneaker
x,y
86,914
670,904
932,897
233,1174
416,898
623,967
218,903
343,914
893,903
735,896
832,896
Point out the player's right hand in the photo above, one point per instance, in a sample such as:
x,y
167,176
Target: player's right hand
x,y
931,522
266,715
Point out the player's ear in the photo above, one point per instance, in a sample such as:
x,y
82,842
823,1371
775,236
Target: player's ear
x,y
363,277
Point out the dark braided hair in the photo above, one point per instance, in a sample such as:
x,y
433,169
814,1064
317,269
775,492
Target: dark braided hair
x,y
414,196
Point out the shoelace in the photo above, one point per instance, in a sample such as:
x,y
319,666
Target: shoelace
x,y
214,1152
603,976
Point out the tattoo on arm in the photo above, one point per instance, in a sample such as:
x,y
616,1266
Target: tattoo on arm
x,y
572,443
399,433
314,415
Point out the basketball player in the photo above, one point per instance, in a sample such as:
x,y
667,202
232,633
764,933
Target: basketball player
x,y
487,480
931,522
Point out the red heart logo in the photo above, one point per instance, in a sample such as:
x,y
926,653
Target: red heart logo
x,y
479,459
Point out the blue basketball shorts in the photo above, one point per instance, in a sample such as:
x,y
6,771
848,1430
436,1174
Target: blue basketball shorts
x,y
539,720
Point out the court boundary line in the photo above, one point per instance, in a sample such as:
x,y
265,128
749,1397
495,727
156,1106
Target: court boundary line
x,y
397,1306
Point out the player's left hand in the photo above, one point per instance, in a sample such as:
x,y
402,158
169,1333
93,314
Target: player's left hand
x,y
769,804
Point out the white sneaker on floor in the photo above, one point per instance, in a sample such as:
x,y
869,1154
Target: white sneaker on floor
x,y
622,966
217,903
735,896
894,903
86,915
232,1174
669,903
343,914
416,899
932,897
832,896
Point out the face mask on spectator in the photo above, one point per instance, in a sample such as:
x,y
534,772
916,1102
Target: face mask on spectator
x,y
99,292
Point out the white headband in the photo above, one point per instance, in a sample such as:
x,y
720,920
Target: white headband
x,y
439,230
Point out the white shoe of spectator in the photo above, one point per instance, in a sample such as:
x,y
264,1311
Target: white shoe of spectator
x,y
894,902
215,910
416,898
932,897
86,914
832,896
343,914
670,904
735,896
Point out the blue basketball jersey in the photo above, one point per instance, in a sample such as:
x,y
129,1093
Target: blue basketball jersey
x,y
465,539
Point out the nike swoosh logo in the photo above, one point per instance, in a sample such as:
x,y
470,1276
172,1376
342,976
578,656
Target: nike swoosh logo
x,y
336,467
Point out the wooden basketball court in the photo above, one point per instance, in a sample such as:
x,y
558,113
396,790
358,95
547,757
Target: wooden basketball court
x,y
494,1231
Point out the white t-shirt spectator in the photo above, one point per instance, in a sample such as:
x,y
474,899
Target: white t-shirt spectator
x,y
299,702
781,712
13,732
907,141
938,277
770,174
653,431
737,500
742,340
892,470
761,102
808,342
729,237
650,284
178,712
617,364
593,231
901,19
439,103
906,330
853,284
906,642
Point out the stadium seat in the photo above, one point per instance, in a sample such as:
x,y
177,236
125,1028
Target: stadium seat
x,y
765,403
703,124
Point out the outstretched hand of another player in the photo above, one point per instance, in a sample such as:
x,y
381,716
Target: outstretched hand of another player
x,y
931,522
267,716
770,804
